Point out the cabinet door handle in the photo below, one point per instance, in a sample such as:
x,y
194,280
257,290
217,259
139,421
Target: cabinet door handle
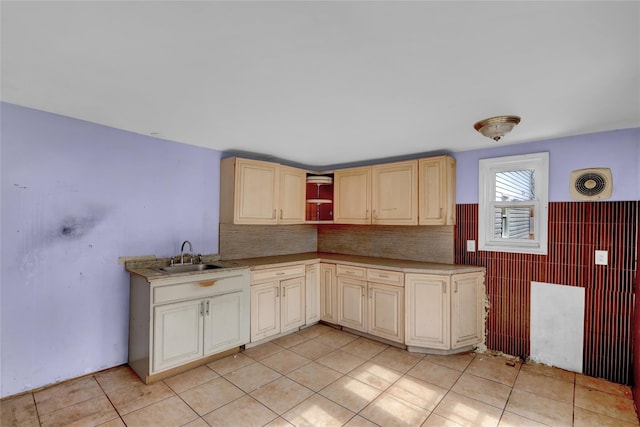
x,y
207,307
384,276
274,214
207,283
201,308
455,290
284,292
281,213
444,288
367,214
280,273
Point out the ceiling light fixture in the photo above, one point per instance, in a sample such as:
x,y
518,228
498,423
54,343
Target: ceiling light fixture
x,y
496,127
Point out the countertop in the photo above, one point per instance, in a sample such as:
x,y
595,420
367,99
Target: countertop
x,y
149,269
402,265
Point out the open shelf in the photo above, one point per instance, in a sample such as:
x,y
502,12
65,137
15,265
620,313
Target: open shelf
x,y
319,199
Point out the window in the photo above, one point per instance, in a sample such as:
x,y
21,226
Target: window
x,y
513,203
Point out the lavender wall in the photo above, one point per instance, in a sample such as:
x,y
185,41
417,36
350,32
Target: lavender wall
x,y
75,197
617,150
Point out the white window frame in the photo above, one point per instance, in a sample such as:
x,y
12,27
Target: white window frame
x,y
487,204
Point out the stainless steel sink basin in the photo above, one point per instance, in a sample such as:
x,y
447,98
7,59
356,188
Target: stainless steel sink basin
x,y
189,267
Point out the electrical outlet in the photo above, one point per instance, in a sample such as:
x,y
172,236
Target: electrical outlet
x,y
471,245
602,257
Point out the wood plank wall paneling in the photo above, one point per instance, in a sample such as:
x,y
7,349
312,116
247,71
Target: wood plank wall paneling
x,y
417,243
576,231
249,241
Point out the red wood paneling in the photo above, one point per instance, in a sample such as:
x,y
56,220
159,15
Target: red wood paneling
x,y
576,231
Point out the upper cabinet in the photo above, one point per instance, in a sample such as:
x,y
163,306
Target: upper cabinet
x,y
437,191
352,196
292,199
394,195
414,192
382,194
257,192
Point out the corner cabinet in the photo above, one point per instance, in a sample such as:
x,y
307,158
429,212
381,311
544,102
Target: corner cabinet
x,y
444,312
176,323
437,184
257,192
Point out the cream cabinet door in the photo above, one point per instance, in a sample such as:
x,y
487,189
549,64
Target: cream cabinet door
x,y
292,300
177,333
328,293
352,310
428,311
224,318
386,311
437,196
352,196
394,198
256,192
466,309
312,293
292,200
265,310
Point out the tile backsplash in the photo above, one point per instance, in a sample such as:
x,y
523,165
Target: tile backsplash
x,y
416,243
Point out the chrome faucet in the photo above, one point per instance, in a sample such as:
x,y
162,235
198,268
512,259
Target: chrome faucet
x,y
182,251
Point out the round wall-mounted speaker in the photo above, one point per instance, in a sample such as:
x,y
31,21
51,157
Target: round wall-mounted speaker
x,y
591,184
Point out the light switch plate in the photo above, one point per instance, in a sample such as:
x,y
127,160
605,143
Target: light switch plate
x,y
471,245
602,257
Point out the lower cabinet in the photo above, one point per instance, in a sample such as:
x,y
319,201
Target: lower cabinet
x,y
189,330
372,307
312,293
177,321
444,312
277,304
328,293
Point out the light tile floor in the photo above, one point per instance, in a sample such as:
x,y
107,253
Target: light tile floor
x,y
324,377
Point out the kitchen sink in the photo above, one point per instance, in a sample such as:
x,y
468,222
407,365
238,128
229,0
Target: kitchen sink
x,y
186,268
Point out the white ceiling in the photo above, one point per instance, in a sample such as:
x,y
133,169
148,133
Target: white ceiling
x,y
324,83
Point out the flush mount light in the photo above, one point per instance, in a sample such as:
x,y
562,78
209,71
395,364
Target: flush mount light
x,y
496,127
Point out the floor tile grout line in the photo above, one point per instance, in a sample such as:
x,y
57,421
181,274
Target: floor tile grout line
x,y
110,401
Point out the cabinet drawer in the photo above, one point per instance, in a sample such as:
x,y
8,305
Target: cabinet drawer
x,y
348,271
277,273
204,288
385,276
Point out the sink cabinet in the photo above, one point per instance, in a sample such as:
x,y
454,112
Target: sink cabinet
x,y
277,301
258,192
176,322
